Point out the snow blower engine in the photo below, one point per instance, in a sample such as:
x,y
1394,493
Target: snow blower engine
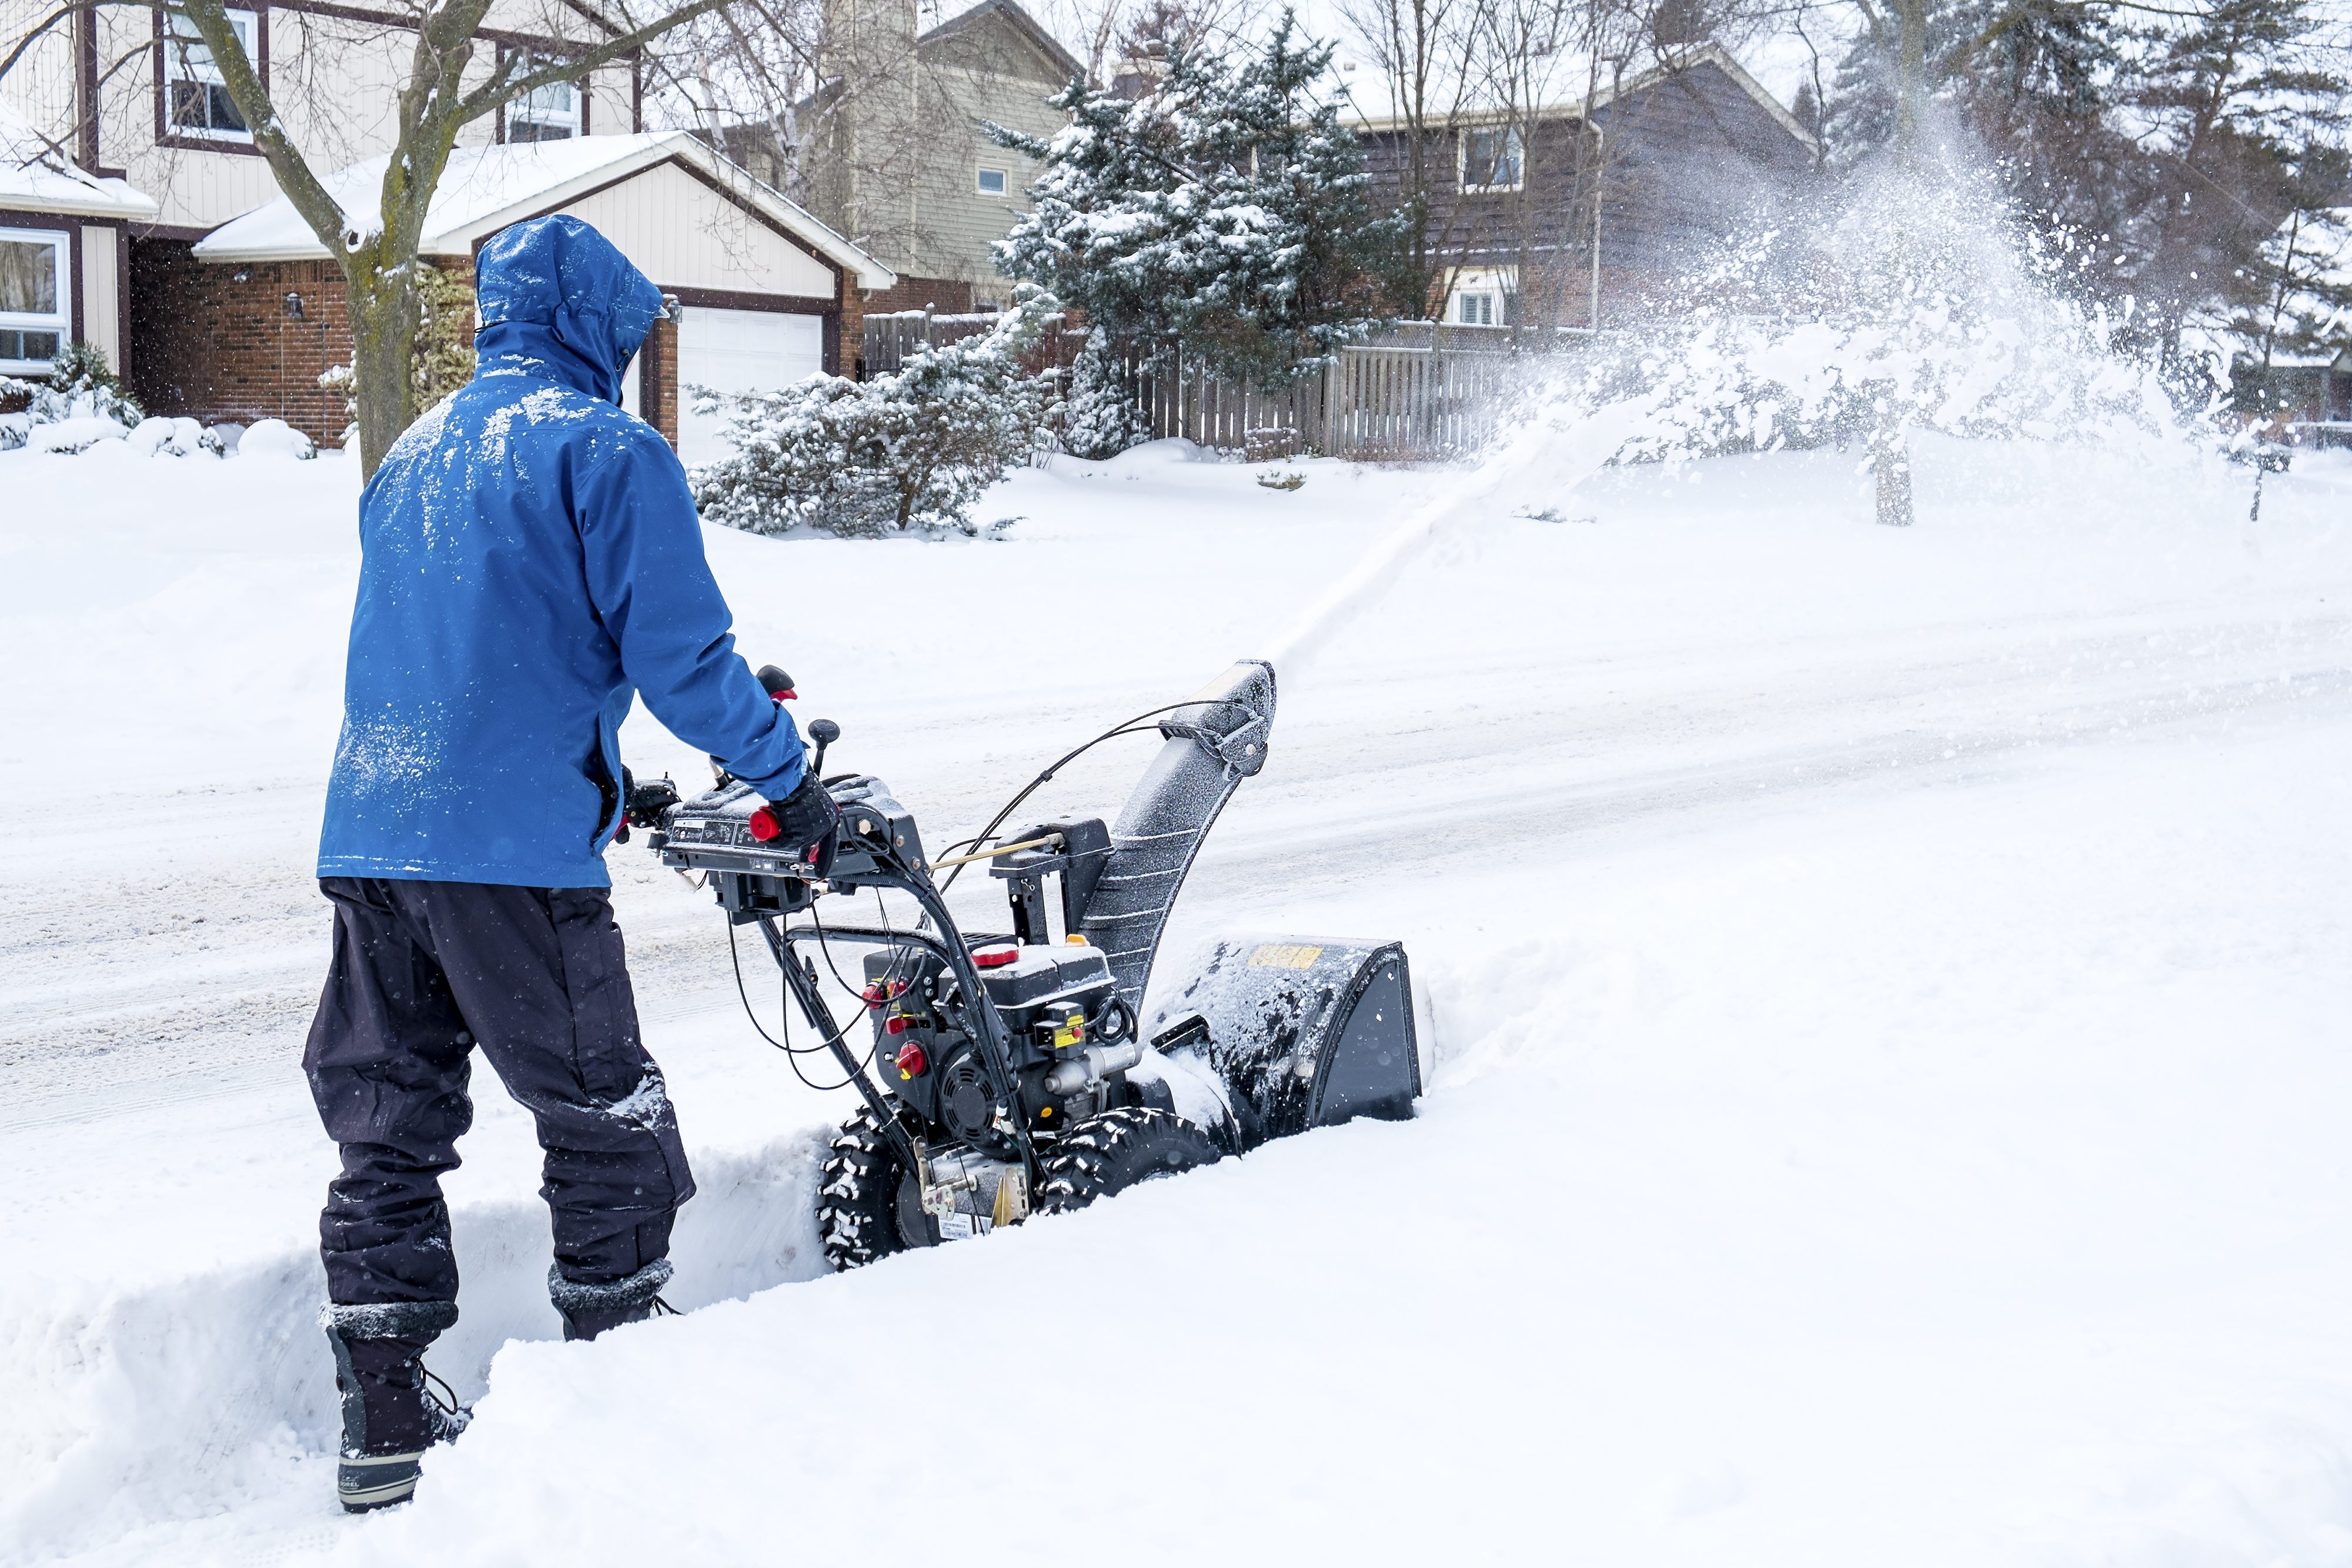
x,y
1017,1073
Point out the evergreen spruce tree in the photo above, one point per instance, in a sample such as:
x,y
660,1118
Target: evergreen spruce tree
x,y
1228,214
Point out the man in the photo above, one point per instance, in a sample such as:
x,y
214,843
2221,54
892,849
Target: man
x,y
531,558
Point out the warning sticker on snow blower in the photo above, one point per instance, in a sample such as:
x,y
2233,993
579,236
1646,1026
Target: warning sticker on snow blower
x,y
1285,956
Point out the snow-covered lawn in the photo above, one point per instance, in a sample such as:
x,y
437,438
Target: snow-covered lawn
x,y
1887,1097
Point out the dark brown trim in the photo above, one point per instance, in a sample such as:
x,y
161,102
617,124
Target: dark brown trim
x,y
165,135
85,88
401,24
775,304
179,232
636,96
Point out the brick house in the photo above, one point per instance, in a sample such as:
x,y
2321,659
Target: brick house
x,y
223,306
1577,213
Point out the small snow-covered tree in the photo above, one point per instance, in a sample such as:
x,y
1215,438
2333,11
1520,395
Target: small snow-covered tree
x,y
1100,417
911,450
1228,213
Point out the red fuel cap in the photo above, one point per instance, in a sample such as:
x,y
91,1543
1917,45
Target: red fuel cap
x,y
997,957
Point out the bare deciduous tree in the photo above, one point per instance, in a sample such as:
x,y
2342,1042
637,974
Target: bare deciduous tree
x,y
441,90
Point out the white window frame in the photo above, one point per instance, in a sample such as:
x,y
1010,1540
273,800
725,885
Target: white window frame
x,y
523,111
1494,285
1003,182
1515,153
61,320
179,67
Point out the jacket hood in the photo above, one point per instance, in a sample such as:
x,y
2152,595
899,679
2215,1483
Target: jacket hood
x,y
555,290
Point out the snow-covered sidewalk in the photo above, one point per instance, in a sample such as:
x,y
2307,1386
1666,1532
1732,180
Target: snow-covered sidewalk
x,y
1884,1105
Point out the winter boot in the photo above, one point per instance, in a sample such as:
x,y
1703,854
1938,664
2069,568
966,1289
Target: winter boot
x,y
388,1416
589,1310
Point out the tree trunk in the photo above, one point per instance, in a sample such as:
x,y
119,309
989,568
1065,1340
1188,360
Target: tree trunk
x,y
383,352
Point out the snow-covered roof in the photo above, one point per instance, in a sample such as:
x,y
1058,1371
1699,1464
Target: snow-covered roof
x,y
484,188
35,177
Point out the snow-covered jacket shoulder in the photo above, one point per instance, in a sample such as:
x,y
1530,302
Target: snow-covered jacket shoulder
x,y
531,560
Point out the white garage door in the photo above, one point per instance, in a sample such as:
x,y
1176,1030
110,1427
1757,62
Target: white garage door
x,y
739,351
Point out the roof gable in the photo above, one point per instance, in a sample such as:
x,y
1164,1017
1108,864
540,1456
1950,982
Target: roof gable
x,y
484,188
1005,22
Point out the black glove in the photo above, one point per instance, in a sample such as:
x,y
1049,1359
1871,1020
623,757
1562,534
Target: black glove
x,y
806,822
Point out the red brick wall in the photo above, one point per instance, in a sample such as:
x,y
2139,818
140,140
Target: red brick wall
x,y
657,379
219,342
944,295
853,330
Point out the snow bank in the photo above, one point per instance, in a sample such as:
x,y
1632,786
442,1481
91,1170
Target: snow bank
x,y
1887,991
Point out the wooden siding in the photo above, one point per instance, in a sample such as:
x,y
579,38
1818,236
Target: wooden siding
x,y
683,234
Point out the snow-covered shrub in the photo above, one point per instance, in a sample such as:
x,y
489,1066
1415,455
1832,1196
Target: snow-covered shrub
x,y
1101,417
81,392
274,438
911,450
162,437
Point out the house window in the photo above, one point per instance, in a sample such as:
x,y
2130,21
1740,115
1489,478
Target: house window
x,y
992,181
36,311
197,100
550,113
1492,159
1482,296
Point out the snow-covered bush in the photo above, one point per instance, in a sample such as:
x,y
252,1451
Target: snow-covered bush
x,y
908,451
1100,417
82,392
160,437
274,438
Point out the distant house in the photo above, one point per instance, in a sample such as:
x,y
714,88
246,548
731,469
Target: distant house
x,y
901,165
221,306
1573,213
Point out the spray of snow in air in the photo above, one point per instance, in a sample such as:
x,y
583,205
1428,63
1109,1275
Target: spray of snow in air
x,y
1917,302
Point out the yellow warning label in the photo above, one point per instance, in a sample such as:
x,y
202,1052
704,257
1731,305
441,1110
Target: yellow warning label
x,y
1285,956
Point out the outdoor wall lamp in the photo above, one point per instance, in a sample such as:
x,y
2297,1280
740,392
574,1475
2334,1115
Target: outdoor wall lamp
x,y
294,306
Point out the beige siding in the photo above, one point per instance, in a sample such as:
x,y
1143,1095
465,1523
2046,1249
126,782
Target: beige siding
x,y
41,87
683,234
101,314
958,222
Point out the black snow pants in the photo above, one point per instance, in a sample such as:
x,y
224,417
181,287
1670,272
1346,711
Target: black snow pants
x,y
422,972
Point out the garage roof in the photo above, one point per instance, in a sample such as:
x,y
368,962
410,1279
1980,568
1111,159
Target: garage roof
x,y
484,188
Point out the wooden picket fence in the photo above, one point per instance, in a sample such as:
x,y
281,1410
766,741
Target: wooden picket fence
x,y
892,339
1386,403
1421,391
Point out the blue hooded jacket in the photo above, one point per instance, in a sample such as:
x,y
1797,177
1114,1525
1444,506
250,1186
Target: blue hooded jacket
x,y
531,560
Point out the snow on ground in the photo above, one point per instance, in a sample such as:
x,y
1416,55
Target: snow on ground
x,y
1886,1095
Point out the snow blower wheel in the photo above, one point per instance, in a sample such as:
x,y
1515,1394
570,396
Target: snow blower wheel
x,y
857,1197
1016,1070
1105,1155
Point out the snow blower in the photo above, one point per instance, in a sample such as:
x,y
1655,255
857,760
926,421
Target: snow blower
x,y
1016,1073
